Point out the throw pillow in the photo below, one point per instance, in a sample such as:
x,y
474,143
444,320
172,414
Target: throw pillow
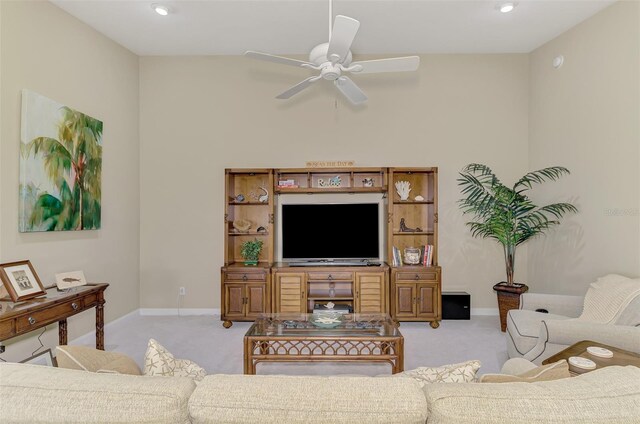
x,y
89,359
549,372
454,373
159,361
124,365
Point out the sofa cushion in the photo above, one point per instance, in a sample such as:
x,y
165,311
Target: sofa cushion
x,y
89,359
310,399
159,361
610,394
454,373
523,327
32,394
549,372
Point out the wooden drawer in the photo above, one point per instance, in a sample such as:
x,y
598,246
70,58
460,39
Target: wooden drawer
x,y
329,276
7,329
245,276
39,318
90,300
417,276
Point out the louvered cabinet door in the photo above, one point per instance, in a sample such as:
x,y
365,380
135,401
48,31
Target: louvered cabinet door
x,y
370,292
290,296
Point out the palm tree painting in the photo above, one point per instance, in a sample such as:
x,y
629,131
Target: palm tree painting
x,y
60,167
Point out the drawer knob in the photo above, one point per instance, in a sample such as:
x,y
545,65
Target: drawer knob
x,y
244,277
417,277
31,320
330,277
74,305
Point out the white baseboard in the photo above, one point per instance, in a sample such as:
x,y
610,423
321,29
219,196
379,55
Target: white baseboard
x,y
485,311
92,334
176,311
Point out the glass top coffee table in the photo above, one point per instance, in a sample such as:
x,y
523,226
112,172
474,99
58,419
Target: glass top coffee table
x,y
322,338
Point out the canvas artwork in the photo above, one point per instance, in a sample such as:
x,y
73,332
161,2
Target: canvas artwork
x,y
60,167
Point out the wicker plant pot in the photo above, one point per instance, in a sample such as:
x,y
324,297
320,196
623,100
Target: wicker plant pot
x,y
508,298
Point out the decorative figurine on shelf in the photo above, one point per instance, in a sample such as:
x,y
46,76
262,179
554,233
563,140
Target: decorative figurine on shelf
x,y
418,198
367,182
239,198
250,251
412,256
265,197
403,188
242,225
335,181
261,229
405,229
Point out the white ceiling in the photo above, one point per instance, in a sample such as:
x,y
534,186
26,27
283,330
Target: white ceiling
x,y
294,27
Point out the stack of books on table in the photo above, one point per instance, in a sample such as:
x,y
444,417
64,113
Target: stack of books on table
x,y
319,308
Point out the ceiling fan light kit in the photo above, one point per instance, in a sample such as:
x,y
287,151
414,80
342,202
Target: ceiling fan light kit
x,y
334,59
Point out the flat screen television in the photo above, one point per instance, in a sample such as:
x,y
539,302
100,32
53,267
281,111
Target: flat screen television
x,y
342,231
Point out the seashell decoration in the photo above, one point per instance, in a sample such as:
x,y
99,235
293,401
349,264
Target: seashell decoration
x,y
242,225
418,198
403,188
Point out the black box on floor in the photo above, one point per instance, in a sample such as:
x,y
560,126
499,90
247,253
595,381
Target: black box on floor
x,y
456,305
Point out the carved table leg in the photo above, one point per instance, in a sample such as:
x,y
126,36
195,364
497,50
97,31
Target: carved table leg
x,y
100,326
62,332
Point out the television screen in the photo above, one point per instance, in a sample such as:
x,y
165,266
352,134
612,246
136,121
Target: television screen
x,y
330,231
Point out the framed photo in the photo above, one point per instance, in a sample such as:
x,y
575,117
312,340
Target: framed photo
x,y
67,280
21,280
43,358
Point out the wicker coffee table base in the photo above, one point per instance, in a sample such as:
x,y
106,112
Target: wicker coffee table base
x,y
323,349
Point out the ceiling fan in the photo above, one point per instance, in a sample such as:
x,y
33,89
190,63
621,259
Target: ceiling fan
x,y
334,60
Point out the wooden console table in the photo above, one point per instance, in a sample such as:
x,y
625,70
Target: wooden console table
x,y
24,317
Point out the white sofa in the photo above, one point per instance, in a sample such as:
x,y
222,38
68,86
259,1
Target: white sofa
x,y
35,394
536,336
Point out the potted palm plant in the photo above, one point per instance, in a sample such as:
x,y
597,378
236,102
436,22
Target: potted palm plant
x,y
250,251
507,215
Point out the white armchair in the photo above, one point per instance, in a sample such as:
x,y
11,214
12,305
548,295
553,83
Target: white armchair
x,y
536,336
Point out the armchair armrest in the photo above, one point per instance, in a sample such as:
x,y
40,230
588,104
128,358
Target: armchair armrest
x,y
568,332
559,304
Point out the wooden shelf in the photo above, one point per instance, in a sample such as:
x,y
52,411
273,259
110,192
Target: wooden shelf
x,y
328,298
248,203
251,233
413,233
413,202
332,190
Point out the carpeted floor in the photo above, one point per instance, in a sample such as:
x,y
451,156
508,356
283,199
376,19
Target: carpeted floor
x,y
203,340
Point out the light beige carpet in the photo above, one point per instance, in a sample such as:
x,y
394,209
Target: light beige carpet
x,y
204,340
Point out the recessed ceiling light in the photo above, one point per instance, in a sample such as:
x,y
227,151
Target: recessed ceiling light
x,y
160,9
506,7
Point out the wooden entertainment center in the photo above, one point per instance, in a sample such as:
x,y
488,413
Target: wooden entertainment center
x,y
406,292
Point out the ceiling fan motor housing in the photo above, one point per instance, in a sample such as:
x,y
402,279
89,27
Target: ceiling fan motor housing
x,y
318,55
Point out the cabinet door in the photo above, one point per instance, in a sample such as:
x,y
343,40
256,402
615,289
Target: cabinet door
x,y
405,300
234,300
370,293
427,300
290,293
256,300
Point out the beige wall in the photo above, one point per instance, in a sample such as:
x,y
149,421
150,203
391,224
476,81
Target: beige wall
x,y
46,50
202,114
585,116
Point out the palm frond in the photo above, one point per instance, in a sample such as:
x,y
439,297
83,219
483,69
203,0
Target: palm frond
x,y
540,176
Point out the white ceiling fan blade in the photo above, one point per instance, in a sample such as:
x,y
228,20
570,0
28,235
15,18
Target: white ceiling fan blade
x,y
395,64
298,88
276,59
350,90
342,35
